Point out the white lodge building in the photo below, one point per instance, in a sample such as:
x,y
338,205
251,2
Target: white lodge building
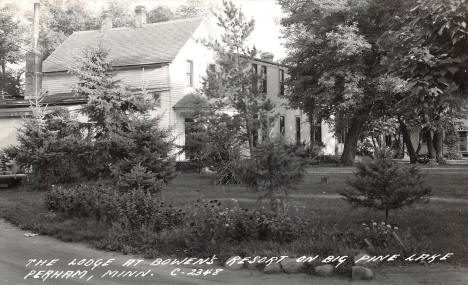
x,y
167,60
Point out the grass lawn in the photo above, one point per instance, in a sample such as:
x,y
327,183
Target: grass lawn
x,y
436,227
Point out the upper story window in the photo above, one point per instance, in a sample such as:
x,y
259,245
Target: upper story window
x,y
189,73
157,98
281,81
254,79
298,130
264,79
254,68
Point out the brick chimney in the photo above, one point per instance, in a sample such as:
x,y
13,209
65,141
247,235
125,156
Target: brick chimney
x,y
140,16
34,61
106,23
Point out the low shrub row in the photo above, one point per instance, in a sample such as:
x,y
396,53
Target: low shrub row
x,y
140,221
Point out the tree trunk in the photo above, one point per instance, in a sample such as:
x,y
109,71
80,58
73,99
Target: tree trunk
x,y
437,142
2,86
350,147
407,140
430,144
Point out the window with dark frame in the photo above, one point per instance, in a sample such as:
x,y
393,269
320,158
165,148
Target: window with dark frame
x,y
212,68
157,98
298,130
342,135
264,79
255,78
189,145
316,132
282,126
462,141
281,81
189,73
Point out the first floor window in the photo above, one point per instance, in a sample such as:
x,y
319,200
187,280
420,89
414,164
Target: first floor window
x,y
192,127
282,128
298,130
342,134
316,134
462,141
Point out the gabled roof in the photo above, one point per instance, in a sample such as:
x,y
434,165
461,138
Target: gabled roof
x,y
150,44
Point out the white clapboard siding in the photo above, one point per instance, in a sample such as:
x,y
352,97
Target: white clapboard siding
x,y
56,83
148,77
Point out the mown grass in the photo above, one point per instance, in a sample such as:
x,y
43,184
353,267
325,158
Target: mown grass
x,y
436,227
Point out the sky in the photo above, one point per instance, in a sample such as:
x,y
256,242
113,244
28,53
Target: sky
x,y
266,36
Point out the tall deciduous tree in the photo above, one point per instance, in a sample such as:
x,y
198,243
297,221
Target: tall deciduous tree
x,y
59,20
428,47
334,62
160,14
192,8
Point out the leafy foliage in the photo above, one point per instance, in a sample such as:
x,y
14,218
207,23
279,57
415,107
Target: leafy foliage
x,y
383,184
131,210
379,234
160,14
274,166
209,224
11,41
192,8
431,55
214,141
52,147
60,21
364,61
334,63
233,86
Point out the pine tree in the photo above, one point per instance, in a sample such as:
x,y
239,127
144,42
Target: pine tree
x,y
129,140
234,85
383,184
51,146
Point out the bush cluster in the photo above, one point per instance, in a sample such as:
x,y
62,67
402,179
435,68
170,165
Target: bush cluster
x,y
211,223
378,234
130,210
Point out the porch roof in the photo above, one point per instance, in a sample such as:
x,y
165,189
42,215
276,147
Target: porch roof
x,y
190,102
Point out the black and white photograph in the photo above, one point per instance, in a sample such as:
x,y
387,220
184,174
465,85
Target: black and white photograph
x,y
193,142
